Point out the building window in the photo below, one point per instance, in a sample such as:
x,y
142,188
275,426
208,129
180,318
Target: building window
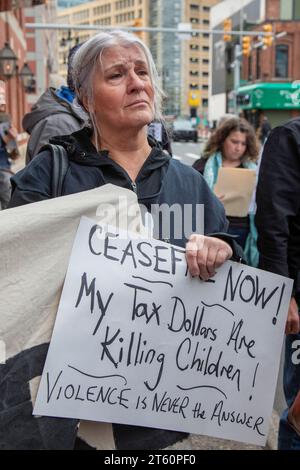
x,y
296,12
194,20
205,102
194,73
194,60
194,7
204,87
205,48
194,86
289,9
205,21
194,47
205,61
205,74
281,61
205,35
206,8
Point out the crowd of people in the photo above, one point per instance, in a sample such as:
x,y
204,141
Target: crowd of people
x,y
101,119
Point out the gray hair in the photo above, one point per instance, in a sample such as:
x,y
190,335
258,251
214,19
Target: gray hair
x,y
88,58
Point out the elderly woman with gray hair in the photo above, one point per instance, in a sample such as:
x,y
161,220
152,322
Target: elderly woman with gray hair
x,y
117,84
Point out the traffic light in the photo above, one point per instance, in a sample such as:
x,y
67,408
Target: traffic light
x,y
268,37
227,26
246,46
138,23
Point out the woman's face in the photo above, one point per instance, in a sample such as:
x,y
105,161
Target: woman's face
x,y
123,93
234,146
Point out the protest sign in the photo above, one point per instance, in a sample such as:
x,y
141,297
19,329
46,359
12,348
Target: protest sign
x,y
138,341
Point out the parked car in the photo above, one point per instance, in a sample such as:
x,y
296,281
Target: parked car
x,y
184,130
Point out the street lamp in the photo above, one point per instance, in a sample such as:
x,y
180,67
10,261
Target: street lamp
x,y
27,78
66,44
8,61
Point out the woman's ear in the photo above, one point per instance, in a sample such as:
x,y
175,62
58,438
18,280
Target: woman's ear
x,y
85,103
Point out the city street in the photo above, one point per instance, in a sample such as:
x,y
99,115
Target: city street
x,y
187,152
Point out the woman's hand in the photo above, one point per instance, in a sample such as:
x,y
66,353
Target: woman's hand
x,y
292,325
206,254
221,197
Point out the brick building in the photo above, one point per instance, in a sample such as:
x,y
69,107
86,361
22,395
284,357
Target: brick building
x,y
272,71
32,52
12,33
269,74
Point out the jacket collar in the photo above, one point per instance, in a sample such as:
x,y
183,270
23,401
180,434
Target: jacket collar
x,y
81,150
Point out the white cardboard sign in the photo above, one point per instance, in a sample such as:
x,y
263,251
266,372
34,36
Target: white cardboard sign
x,y
138,341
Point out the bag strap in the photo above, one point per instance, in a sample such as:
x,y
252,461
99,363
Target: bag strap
x,y
59,168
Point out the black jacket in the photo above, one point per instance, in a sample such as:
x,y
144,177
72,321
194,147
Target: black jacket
x,y
51,115
160,180
278,203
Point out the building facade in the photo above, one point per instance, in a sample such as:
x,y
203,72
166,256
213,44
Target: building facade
x,y
183,64
12,34
30,73
268,74
271,75
196,58
42,51
166,51
98,13
69,3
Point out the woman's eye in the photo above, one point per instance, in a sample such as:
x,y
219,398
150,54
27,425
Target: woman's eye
x,y
115,76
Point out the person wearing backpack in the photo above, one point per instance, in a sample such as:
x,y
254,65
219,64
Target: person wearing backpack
x,y
122,96
8,152
278,226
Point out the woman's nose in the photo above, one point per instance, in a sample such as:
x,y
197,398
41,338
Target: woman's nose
x,y
135,83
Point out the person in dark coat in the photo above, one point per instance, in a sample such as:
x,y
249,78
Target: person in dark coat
x,y
8,152
122,96
278,225
53,114
232,145
264,129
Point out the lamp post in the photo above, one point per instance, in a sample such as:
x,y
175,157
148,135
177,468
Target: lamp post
x,y
8,61
67,43
27,78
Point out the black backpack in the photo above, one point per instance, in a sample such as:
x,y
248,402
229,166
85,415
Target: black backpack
x,y
59,168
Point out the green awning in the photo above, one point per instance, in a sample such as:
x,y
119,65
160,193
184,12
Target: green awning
x,y
269,96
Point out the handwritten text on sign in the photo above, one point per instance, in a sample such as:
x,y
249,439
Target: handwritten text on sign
x,y
138,341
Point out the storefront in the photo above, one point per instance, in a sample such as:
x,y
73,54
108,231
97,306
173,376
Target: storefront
x,y
278,101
